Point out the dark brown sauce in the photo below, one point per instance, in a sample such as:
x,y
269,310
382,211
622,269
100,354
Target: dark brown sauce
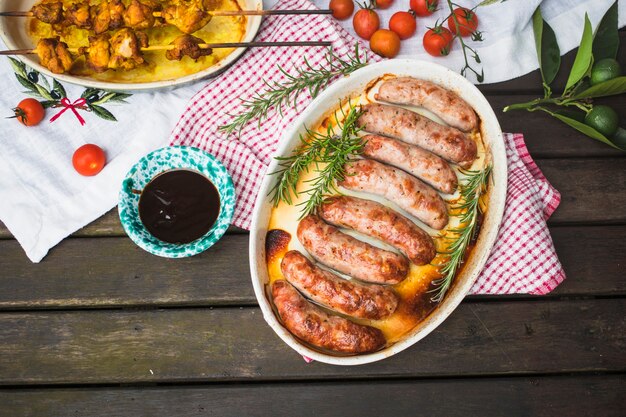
x,y
179,206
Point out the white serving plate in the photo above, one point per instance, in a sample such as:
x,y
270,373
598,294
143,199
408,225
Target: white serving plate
x,y
314,113
13,33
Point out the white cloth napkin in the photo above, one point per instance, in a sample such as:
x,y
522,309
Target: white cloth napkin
x,y
43,200
508,48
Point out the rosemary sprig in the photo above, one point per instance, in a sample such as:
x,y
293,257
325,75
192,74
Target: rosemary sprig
x,y
328,152
471,189
286,93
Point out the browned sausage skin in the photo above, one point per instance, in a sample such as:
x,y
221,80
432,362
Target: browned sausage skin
x,y
348,297
313,325
351,256
416,161
444,103
417,198
397,122
379,221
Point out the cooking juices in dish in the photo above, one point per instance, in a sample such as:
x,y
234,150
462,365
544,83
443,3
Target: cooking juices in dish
x,y
156,66
355,276
179,206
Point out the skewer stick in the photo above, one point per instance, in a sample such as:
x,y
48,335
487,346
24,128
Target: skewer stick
x,y
202,45
215,13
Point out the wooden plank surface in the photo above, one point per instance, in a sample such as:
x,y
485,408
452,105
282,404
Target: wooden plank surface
x,y
592,190
230,344
486,397
124,275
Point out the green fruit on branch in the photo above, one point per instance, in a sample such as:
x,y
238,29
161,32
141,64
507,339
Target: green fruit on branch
x,y
604,70
603,119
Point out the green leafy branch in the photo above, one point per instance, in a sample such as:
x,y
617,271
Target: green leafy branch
x,y
472,188
286,93
328,153
574,106
52,93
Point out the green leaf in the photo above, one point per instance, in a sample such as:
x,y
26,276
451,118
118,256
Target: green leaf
x,y
104,98
59,88
587,130
26,83
89,91
44,80
43,92
548,52
49,103
489,2
18,67
575,114
102,113
120,97
584,58
607,88
606,40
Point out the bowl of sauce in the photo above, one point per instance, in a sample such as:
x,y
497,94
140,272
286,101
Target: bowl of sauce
x,y
176,201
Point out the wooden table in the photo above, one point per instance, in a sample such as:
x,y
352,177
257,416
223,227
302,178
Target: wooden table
x,y
102,328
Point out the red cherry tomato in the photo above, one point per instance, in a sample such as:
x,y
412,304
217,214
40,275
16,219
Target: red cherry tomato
x,y
366,22
424,7
438,41
468,21
403,23
342,9
383,4
88,160
29,112
385,43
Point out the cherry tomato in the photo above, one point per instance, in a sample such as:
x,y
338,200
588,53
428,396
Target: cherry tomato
x,y
385,43
468,21
403,23
29,112
342,9
438,41
366,22
424,7
88,160
383,4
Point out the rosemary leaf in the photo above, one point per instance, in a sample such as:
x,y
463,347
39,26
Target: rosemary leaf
x,y
285,94
472,188
327,153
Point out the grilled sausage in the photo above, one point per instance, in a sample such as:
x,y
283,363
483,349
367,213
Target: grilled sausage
x,y
449,143
417,198
416,161
379,221
444,103
313,325
351,256
348,297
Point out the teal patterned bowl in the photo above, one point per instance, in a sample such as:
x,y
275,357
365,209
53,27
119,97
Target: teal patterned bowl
x,y
165,159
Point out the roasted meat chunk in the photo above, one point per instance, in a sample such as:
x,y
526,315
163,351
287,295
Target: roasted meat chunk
x,y
139,15
107,15
126,49
98,55
78,15
187,45
187,16
54,55
49,12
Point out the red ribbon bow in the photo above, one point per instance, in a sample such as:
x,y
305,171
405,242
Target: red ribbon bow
x,y
67,104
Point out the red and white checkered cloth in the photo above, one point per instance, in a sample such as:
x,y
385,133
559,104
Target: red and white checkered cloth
x,y
523,259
